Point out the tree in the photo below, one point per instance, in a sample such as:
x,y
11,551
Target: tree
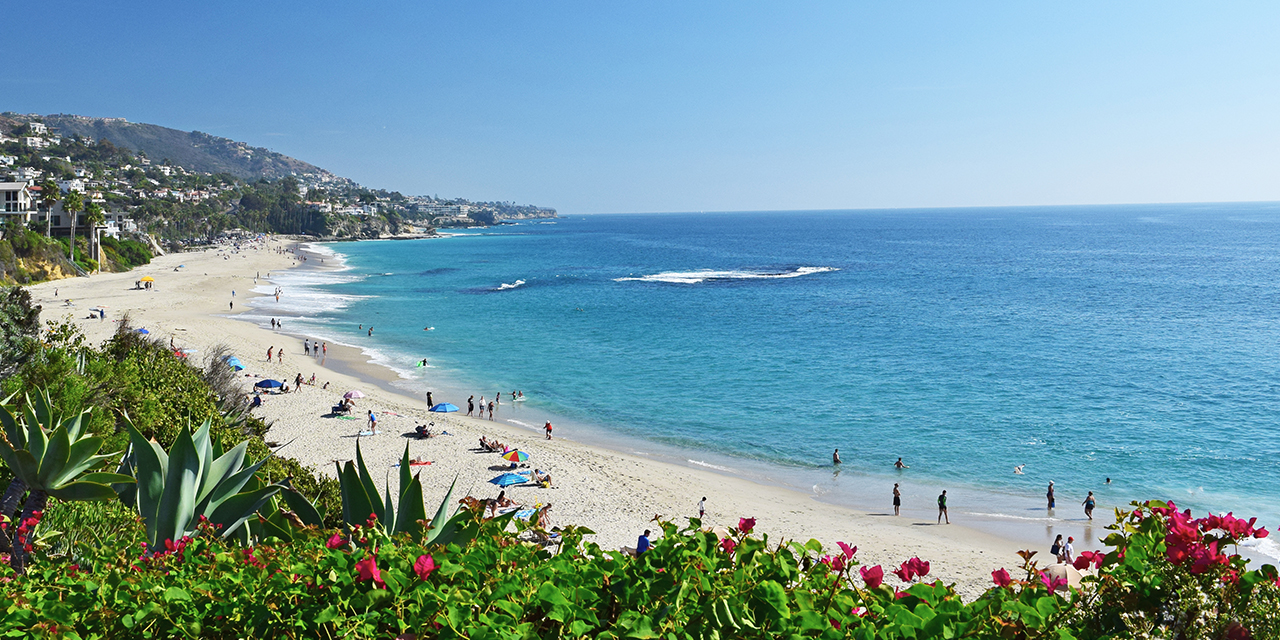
x,y
49,194
72,203
92,218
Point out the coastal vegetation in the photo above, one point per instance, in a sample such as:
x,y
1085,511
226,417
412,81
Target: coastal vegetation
x,y
142,501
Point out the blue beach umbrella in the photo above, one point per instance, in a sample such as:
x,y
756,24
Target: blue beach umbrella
x,y
269,384
508,479
443,407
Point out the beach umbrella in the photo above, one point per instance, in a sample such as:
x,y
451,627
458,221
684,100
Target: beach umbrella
x,y
148,279
143,331
269,384
443,407
352,394
515,455
508,479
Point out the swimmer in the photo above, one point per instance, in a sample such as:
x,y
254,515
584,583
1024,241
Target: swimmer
x,y
899,465
1108,481
835,457
1018,469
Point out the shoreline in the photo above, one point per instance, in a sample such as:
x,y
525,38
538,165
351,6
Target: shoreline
x,y
612,492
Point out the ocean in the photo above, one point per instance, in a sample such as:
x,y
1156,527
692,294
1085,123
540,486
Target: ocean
x,y
1138,343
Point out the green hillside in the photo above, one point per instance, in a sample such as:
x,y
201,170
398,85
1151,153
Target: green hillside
x,y
191,149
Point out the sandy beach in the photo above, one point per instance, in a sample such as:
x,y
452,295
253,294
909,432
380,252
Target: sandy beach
x,y
612,493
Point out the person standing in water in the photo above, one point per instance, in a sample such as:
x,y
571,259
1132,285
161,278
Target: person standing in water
x,y
1088,505
899,465
1049,495
471,405
835,457
548,430
897,500
942,508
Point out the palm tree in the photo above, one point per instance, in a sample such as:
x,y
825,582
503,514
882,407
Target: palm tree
x,y
93,217
50,194
72,203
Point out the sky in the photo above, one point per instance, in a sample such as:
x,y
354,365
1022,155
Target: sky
x,y
598,107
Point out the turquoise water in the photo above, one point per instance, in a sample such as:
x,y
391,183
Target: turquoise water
x,y
1138,343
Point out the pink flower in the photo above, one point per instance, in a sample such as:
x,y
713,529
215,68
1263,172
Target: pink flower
x,y
367,569
919,567
1260,532
1001,578
904,573
746,525
847,550
728,545
424,566
835,562
873,576
335,542
1051,583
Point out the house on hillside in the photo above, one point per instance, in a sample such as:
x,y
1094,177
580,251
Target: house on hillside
x,y
117,223
38,128
35,143
74,184
16,198
25,173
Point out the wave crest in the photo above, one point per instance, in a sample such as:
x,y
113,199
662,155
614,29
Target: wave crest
x,y
694,277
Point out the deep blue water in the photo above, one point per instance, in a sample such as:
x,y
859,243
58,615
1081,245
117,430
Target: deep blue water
x,y
1134,342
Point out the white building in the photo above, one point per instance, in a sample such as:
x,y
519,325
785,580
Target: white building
x,y
8,160
16,198
26,173
117,223
38,128
35,143
74,184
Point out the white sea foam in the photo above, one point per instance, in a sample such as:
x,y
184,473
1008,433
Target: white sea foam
x,y
1262,546
708,465
512,285
523,424
694,277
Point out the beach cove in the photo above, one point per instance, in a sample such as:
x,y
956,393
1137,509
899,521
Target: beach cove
x,y
612,493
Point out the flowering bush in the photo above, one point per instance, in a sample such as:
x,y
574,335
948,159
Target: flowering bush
x,y
690,584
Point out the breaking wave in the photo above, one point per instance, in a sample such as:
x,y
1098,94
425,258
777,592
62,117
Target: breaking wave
x,y
694,277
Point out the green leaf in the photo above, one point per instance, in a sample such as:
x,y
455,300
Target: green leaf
x,y
235,510
404,470
329,614
355,500
775,597
441,519
181,483
413,510
150,463
54,459
218,474
370,488
174,593
83,491
300,505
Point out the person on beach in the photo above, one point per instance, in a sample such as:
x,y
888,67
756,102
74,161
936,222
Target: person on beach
x,y
471,406
942,508
1068,551
373,423
371,331
269,350
835,457
1056,549
324,349
497,397
897,500
280,355
231,305
429,402
643,544
702,507
547,428
1088,505
306,347
491,410
273,323
899,465
1049,495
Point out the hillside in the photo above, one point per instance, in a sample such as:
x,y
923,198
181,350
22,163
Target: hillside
x,y
193,150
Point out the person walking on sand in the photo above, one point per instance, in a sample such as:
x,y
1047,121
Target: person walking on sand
x,y
429,402
897,500
280,355
471,405
942,508
269,350
231,305
324,349
1049,495
548,430
835,457
702,505
1068,551
1088,505
1056,549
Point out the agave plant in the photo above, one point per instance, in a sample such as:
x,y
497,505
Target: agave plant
x,y
193,479
360,498
48,462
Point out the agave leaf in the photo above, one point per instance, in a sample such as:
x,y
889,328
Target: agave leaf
x,y
460,528
220,471
405,477
412,509
37,441
128,493
80,457
150,465
25,466
200,440
389,511
54,459
370,489
306,511
75,425
13,430
235,510
105,477
181,484
438,522
276,525
234,484
356,503
79,490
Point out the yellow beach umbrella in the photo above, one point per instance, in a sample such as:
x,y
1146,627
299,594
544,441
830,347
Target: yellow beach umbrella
x,y
148,279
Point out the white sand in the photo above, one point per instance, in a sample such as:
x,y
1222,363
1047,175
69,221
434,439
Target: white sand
x,y
612,493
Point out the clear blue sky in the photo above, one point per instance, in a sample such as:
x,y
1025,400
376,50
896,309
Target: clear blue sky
x,y
652,106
